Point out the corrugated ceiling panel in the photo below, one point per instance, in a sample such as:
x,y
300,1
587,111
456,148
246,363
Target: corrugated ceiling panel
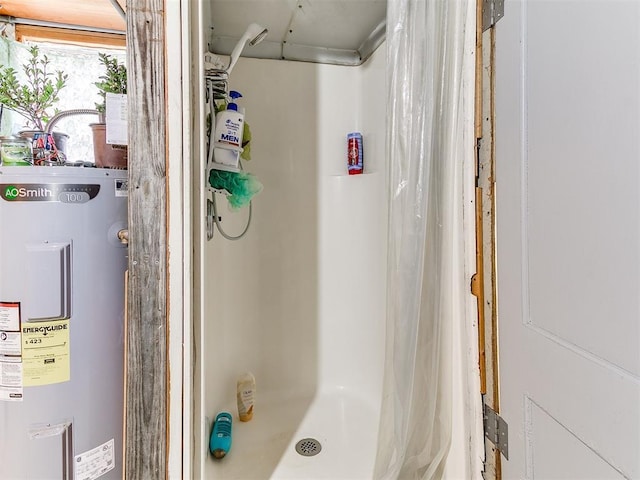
x,y
326,31
336,24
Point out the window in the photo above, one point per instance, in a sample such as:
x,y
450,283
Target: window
x,y
82,65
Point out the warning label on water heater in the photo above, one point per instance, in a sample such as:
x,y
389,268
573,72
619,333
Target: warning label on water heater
x,y
10,380
122,188
95,462
45,352
10,352
10,316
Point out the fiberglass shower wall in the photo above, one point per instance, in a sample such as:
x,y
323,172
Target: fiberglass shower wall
x,y
300,300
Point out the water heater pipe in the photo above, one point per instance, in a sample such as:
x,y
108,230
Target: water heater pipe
x,y
68,113
123,236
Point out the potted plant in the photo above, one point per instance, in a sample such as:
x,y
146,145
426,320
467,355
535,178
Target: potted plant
x,y
113,81
36,97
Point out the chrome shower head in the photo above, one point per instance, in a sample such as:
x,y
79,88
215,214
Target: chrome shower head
x,y
254,35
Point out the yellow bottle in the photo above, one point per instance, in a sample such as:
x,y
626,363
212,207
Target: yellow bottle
x,y
245,394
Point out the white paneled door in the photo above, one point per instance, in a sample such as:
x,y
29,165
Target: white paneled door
x,y
568,237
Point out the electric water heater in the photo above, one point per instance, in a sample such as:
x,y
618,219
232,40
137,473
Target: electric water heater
x,y
62,269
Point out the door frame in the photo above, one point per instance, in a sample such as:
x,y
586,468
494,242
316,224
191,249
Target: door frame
x,y
157,372
484,283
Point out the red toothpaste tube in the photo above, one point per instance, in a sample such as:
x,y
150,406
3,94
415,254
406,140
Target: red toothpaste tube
x,y
354,153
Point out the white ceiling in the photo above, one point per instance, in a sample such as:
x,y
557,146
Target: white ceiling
x,y
342,32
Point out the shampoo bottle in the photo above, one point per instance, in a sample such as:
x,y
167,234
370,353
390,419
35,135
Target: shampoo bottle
x,y
228,133
246,392
220,440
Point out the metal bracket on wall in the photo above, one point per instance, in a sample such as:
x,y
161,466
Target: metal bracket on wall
x,y
492,11
496,430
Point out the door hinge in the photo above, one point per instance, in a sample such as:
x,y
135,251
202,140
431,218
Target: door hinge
x,y
496,430
492,11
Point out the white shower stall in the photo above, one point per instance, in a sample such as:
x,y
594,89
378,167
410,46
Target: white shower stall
x,y
300,301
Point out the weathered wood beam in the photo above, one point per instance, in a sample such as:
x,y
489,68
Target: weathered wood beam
x,y
146,366
34,33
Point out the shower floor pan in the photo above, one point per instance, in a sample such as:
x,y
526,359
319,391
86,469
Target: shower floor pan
x,y
345,425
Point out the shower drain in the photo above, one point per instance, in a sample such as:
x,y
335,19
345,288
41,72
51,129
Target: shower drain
x,y
308,447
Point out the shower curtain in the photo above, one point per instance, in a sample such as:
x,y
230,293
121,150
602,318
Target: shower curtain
x,y
426,283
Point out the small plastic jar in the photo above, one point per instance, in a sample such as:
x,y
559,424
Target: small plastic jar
x,y
15,151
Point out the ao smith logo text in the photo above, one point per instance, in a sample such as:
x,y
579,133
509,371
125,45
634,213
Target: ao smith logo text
x,y
12,192
48,192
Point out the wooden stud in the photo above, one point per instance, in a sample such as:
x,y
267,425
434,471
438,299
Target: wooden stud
x,y
68,36
124,367
479,63
495,372
478,290
147,383
486,180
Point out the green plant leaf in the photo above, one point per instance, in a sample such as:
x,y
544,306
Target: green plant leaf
x,y
35,98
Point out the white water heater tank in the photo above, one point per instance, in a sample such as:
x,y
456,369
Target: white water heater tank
x,y
61,322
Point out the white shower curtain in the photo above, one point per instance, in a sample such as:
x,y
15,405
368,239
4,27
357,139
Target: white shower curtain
x,y
426,283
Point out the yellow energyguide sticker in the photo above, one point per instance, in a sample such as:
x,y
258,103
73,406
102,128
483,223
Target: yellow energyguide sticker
x,y
45,353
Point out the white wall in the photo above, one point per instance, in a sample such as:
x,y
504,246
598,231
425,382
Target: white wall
x,y
295,285
353,237
261,292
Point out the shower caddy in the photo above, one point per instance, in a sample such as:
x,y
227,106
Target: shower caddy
x,y
217,88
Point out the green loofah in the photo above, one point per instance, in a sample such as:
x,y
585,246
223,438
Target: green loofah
x,y
242,186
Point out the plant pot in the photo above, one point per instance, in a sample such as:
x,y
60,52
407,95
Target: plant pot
x,y
106,155
58,137
44,153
